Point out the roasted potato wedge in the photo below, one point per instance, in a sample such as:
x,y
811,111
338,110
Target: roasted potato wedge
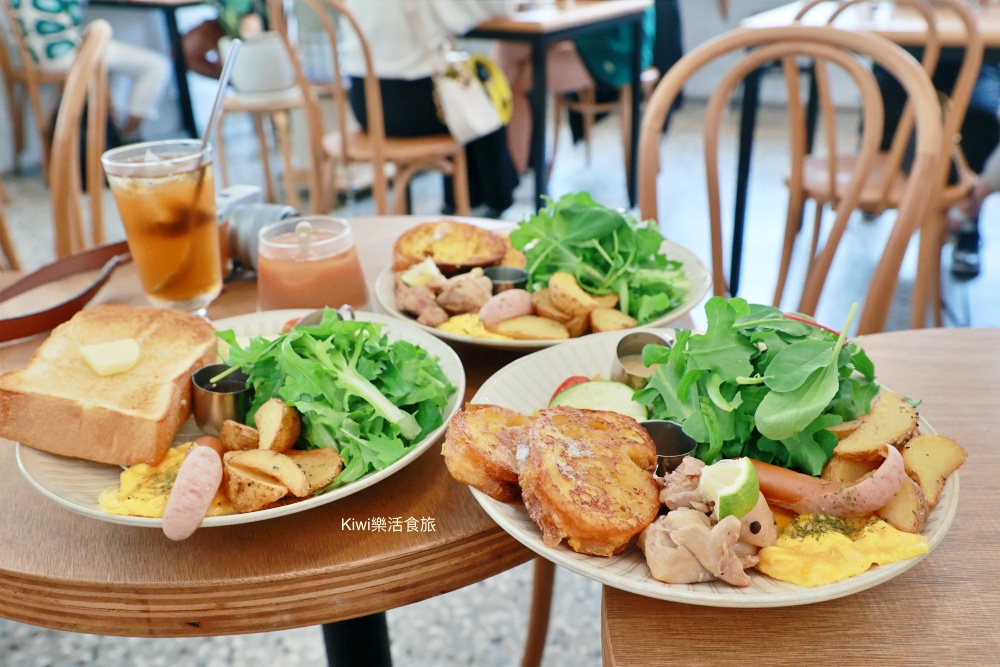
x,y
609,319
843,471
542,300
250,490
279,425
606,300
275,465
568,296
577,326
844,429
907,510
238,437
321,466
532,327
891,421
930,459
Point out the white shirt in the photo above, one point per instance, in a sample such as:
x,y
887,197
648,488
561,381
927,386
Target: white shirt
x,y
406,38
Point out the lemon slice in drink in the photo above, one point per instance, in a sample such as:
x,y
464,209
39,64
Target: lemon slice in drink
x,y
732,485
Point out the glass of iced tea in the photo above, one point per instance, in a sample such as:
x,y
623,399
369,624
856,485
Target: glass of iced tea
x,y
309,262
166,197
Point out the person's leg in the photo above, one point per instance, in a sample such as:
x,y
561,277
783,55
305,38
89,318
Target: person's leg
x,y
150,74
199,44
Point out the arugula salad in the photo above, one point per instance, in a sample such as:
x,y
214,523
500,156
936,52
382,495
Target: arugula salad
x,y
609,252
760,383
366,397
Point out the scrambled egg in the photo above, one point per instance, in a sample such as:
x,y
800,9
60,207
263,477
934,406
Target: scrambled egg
x,y
469,324
143,489
815,549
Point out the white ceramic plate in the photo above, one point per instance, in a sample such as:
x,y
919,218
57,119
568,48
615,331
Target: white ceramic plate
x,y
526,384
696,272
76,484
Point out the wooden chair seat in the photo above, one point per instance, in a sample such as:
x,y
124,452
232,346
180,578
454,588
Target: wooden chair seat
x,y
816,182
280,100
360,147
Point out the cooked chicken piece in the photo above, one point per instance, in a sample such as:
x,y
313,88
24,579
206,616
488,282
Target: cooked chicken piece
x,y
420,302
680,487
690,531
466,292
758,526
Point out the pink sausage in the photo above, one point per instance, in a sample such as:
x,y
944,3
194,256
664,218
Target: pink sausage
x,y
197,481
504,306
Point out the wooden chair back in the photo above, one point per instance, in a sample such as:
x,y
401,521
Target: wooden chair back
x,y
931,42
327,13
788,45
86,85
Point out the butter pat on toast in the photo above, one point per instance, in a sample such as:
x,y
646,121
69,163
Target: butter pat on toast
x,y
59,404
587,478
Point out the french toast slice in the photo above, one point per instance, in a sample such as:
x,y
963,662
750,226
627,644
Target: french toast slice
x,y
480,449
588,478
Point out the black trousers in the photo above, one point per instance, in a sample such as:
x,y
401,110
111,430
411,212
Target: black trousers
x,y
409,111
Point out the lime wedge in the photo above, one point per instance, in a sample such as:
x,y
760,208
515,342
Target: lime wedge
x,y
731,485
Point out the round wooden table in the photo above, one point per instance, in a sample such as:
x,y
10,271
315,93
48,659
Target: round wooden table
x,y
63,571
945,610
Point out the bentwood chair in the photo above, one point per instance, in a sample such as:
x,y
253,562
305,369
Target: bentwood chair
x,y
789,45
824,176
21,74
86,87
348,144
7,248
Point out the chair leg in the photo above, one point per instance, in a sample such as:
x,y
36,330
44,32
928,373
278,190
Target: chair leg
x,y
461,183
380,189
281,134
796,204
17,120
220,149
258,123
541,606
557,111
35,100
926,286
624,106
817,224
7,244
4,197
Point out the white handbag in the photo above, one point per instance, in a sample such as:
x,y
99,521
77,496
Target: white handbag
x,y
463,103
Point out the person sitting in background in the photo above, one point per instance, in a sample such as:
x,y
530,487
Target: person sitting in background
x,y
236,18
53,32
600,59
407,39
980,137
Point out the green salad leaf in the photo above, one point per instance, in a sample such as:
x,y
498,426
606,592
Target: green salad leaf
x,y
760,384
608,251
358,393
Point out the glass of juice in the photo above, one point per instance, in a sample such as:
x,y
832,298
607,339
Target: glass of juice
x,y
166,197
309,262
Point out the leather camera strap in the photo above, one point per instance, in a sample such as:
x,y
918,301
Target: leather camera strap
x,y
105,258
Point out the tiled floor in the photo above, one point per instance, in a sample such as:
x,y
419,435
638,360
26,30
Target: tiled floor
x,y
484,624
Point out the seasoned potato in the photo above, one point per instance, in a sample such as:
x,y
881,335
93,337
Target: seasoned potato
x,y
842,470
321,466
929,459
282,469
542,299
907,510
577,326
249,490
609,319
532,327
891,422
568,296
279,425
606,300
454,246
237,437
844,429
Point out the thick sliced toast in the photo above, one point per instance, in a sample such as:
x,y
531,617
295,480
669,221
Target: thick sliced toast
x,y
587,477
58,404
480,449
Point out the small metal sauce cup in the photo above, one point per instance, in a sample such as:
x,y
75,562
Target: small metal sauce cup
x,y
229,398
631,345
506,277
672,444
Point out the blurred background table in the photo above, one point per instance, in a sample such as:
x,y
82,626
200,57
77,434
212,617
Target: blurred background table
x,y
544,26
169,9
898,24
941,611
